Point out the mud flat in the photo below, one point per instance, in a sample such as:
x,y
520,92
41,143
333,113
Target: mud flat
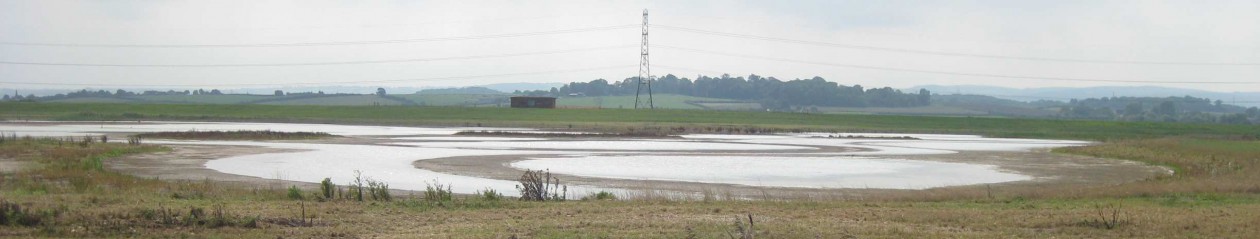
x,y
1040,167
734,166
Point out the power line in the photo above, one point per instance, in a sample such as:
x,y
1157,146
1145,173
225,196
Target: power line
x,y
604,14
321,63
942,53
689,69
334,82
305,44
949,72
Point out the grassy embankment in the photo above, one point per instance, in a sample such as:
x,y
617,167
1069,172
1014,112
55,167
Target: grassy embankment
x,y
1216,193
619,120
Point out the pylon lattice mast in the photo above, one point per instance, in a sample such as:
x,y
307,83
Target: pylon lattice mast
x,y
645,71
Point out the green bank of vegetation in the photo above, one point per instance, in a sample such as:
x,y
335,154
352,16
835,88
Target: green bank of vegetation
x,y
623,120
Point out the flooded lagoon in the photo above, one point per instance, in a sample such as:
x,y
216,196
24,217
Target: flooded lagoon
x,y
769,171
387,153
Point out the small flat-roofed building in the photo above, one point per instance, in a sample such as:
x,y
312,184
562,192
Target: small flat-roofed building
x,y
533,102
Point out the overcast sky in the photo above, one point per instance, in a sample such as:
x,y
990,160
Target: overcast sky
x,y
871,43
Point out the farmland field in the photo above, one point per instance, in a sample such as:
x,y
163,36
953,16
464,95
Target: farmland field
x,y
662,101
346,100
202,99
456,99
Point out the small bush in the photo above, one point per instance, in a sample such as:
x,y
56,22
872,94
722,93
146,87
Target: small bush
x,y
133,140
12,214
541,186
1106,217
295,193
601,195
378,190
198,216
327,188
87,140
356,187
490,195
433,192
94,163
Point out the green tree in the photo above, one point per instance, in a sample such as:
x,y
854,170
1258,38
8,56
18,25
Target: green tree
x,y
1166,108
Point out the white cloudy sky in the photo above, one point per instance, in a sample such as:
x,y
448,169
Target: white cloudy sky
x,y
1107,31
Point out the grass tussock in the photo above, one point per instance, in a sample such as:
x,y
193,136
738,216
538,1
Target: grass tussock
x,y
235,135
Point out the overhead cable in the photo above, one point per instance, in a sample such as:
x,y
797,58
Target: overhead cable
x,y
949,72
334,82
945,53
319,63
306,44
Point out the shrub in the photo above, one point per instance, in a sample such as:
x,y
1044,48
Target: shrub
x,y
541,186
327,188
12,214
378,190
133,140
601,195
490,195
356,188
434,192
94,163
295,193
1106,217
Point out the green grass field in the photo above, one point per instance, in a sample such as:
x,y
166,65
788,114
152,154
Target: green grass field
x,y
661,101
923,110
201,99
338,100
456,99
620,119
95,100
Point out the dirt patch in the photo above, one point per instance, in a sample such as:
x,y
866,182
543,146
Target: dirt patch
x,y
8,165
187,162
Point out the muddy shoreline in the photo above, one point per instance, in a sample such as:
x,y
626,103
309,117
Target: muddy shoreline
x,y
1046,168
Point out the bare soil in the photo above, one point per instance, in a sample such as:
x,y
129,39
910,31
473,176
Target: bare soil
x,y
188,162
8,165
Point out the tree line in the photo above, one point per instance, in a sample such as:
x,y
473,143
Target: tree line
x,y
1161,109
771,92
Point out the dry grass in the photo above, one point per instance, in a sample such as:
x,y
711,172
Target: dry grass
x,y
1201,165
80,201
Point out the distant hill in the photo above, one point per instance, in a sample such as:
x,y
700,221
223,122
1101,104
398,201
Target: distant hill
x,y
1069,93
512,87
325,89
474,90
